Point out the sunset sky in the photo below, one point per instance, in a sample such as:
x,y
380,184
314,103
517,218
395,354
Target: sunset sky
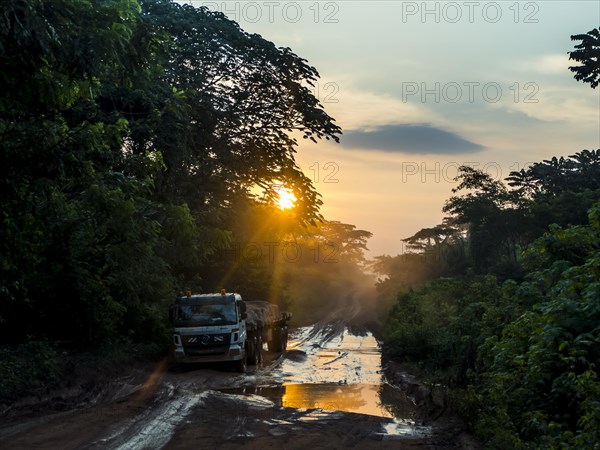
x,y
420,88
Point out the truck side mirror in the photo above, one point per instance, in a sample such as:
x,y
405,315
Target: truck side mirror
x,y
243,312
171,313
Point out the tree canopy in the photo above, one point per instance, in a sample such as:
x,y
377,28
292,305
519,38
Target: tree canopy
x,y
130,131
588,54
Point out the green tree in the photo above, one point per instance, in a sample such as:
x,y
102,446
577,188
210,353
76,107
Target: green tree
x,y
587,53
560,190
230,123
494,217
56,155
129,133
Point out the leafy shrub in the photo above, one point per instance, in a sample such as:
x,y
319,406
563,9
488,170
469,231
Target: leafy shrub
x,y
27,369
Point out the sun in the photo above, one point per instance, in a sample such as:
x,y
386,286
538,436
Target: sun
x,y
286,199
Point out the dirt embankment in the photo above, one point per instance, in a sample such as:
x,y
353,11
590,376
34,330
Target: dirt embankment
x,y
88,383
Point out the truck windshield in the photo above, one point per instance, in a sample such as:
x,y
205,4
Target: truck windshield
x,y
206,313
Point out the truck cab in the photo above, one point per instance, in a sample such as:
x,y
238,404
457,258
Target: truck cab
x,y
209,328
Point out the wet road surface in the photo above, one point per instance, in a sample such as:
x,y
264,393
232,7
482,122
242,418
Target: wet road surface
x,y
326,391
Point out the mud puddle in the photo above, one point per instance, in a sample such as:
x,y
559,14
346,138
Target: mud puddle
x,y
332,373
330,354
381,400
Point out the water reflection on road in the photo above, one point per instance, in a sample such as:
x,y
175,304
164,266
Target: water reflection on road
x,y
333,368
330,354
380,400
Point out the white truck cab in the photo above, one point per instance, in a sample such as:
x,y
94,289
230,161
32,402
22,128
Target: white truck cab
x,y
209,327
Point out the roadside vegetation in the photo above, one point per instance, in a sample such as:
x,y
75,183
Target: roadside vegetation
x,y
501,302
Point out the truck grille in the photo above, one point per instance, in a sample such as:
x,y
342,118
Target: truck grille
x,y
206,340
203,351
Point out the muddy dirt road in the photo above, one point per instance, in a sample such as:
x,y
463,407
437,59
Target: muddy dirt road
x,y
326,391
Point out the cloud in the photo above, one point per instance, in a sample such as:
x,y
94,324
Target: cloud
x,y
410,138
548,64
354,108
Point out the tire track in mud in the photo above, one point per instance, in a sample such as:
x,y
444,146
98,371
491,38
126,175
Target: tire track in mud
x,y
229,421
155,426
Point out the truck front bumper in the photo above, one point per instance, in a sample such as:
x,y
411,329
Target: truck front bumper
x,y
233,353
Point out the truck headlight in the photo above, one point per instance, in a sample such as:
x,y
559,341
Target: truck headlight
x,y
177,340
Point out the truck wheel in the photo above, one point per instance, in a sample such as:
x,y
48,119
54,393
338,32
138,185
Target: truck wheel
x,y
282,344
272,344
275,343
259,348
241,365
253,357
284,339
280,339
